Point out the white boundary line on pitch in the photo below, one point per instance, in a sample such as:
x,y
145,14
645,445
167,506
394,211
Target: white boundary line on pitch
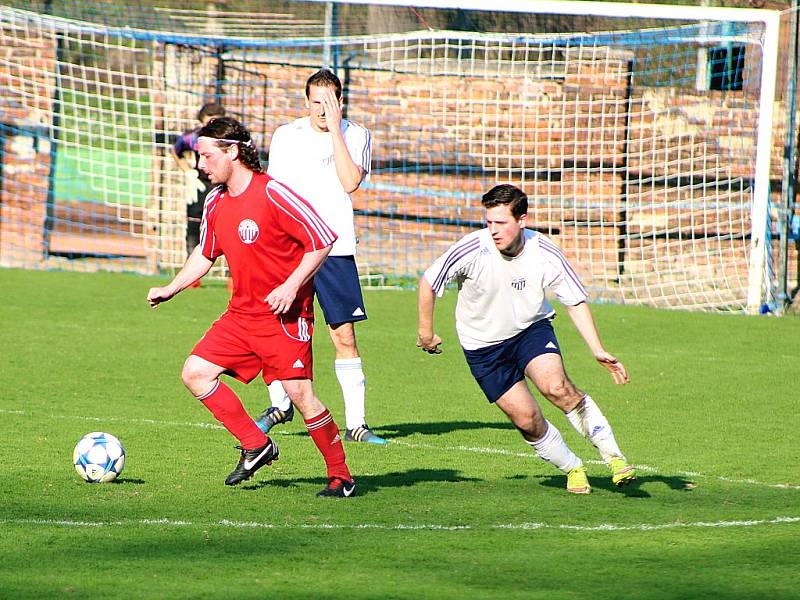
x,y
225,523
479,450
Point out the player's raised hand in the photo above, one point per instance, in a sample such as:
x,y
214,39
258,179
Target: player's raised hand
x,y
332,107
157,295
430,344
616,368
281,298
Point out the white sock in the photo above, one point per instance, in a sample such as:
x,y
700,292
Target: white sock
x,y
588,420
552,448
278,396
351,379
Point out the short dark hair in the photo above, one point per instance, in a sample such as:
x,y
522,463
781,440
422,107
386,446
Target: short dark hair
x,y
325,78
210,109
508,195
227,132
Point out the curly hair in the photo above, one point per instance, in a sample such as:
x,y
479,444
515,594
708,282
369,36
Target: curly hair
x,y
508,195
227,132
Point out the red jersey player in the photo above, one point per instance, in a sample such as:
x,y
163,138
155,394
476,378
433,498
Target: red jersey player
x,y
274,242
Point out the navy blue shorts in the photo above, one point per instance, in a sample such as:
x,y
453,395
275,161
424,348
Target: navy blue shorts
x,y
339,291
497,368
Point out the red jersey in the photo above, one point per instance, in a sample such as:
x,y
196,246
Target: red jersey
x,y
263,233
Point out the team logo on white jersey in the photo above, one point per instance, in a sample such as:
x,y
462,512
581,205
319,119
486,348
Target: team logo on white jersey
x,y
248,231
518,283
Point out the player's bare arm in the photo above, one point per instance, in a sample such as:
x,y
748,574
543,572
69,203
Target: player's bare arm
x,y
281,298
350,174
581,316
426,337
193,269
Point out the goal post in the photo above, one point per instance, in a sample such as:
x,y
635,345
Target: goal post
x,y
642,133
757,293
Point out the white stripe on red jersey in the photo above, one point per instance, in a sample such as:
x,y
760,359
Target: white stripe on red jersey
x,y
283,196
264,232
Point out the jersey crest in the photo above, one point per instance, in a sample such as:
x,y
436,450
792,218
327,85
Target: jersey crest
x,y
248,231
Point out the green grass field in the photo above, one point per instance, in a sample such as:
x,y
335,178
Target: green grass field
x,y
457,506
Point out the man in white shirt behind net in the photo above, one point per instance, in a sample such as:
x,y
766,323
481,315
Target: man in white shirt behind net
x,y
504,326
324,158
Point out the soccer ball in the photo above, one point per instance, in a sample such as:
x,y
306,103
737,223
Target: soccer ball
x,y
99,457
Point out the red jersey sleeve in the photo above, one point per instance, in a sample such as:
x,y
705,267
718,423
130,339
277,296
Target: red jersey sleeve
x,y
298,219
208,241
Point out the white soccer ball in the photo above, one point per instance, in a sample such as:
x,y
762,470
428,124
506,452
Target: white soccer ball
x,y
99,457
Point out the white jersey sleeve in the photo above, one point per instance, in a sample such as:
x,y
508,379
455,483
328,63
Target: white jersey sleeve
x,y
359,144
455,263
559,276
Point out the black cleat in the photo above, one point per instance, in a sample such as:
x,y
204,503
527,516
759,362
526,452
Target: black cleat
x,y
338,488
251,461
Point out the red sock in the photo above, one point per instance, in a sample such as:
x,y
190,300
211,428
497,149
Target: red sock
x,y
228,410
325,434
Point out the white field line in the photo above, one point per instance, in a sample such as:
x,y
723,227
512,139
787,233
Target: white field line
x,y
473,449
603,528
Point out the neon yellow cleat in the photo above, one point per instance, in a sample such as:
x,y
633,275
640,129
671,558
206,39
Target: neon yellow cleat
x,y
621,472
577,482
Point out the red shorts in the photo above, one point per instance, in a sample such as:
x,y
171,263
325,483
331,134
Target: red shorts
x,y
279,348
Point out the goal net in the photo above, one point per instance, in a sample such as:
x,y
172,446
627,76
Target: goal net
x,y
642,134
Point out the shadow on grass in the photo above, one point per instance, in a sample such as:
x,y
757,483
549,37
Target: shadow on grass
x,y
401,430
634,490
372,483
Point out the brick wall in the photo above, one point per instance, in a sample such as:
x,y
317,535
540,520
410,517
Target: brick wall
x,y
26,80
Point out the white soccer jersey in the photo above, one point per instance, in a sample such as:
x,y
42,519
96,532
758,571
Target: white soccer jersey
x,y
499,296
302,158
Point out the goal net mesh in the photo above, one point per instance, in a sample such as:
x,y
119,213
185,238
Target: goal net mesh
x,y
635,140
